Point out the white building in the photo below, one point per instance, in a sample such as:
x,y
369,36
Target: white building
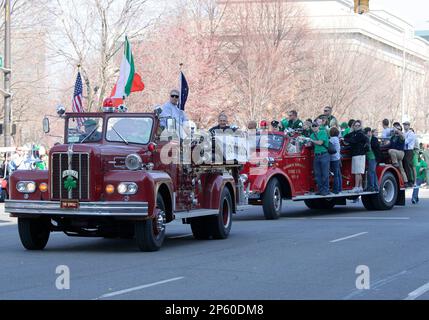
x,y
384,35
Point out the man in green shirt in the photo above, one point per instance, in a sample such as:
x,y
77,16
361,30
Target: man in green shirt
x,y
292,122
321,162
421,169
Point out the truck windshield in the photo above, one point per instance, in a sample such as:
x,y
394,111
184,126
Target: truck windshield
x,y
84,130
270,141
129,130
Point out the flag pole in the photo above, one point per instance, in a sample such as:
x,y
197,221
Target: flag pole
x,y
180,117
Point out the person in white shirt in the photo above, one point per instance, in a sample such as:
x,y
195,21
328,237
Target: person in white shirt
x,y
171,109
410,140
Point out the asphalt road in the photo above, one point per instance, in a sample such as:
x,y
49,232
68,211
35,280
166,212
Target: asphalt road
x,y
303,255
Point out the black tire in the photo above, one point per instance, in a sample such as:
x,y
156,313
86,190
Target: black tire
x,y
150,234
272,200
200,228
312,204
220,224
320,204
368,202
34,232
388,194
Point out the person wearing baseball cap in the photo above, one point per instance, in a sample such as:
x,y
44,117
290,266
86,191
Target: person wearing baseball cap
x,y
410,140
90,131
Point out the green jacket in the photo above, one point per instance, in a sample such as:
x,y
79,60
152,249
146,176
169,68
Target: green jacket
x,y
289,124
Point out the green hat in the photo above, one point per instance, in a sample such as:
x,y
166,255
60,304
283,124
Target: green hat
x,y
89,122
344,125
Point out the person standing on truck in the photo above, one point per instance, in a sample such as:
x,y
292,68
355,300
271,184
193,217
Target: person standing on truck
x,y
372,157
358,142
410,141
171,109
336,160
387,132
306,132
293,123
396,149
331,120
321,162
222,124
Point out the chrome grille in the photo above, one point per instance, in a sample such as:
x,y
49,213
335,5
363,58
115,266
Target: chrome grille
x,y
79,163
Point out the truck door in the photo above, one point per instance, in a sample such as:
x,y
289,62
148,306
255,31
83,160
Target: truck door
x,y
297,164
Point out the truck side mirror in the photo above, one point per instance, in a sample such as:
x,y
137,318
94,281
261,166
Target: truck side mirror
x,y
46,128
171,125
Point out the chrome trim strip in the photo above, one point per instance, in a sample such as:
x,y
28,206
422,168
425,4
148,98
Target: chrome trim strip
x,y
23,207
196,213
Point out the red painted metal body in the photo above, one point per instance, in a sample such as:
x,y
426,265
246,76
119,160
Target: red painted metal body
x,y
183,191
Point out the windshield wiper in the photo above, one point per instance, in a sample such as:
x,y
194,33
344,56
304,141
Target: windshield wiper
x,y
123,139
90,134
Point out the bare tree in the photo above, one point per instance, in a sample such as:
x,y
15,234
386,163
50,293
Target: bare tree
x,y
90,34
29,76
264,47
349,77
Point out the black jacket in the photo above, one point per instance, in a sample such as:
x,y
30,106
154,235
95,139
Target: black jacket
x,y
375,147
213,129
357,141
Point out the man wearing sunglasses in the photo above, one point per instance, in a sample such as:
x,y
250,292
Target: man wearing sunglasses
x,y
292,123
332,121
171,109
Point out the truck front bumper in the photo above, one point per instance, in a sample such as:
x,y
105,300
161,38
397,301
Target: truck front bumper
x,y
18,208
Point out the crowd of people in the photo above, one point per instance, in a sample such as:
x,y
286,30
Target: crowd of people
x,y
34,158
327,135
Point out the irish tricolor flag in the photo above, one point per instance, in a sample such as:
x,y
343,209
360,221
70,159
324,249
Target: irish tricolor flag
x,y
129,81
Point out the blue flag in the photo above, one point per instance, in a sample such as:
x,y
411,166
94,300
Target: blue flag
x,y
184,90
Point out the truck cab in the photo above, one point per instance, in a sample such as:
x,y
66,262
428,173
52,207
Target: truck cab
x,y
110,178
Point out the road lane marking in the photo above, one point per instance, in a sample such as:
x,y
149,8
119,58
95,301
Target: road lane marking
x,y
348,237
117,293
418,292
182,236
376,285
363,218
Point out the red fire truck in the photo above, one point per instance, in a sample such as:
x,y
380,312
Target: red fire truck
x,y
285,172
109,180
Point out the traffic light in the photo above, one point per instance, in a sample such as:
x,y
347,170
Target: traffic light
x,y
361,6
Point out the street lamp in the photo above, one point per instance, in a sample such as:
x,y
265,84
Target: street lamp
x,y
404,116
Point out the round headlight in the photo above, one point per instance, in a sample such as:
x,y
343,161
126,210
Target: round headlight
x,y
31,187
133,162
122,188
132,188
127,188
20,186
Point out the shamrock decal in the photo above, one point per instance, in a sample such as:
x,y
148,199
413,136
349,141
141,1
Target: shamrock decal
x,y
69,183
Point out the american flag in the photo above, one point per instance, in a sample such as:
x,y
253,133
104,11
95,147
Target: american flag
x,y
77,97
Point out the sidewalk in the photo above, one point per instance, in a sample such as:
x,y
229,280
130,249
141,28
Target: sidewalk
x,y
4,218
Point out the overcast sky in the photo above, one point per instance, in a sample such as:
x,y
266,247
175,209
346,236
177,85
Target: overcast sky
x,y
414,11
